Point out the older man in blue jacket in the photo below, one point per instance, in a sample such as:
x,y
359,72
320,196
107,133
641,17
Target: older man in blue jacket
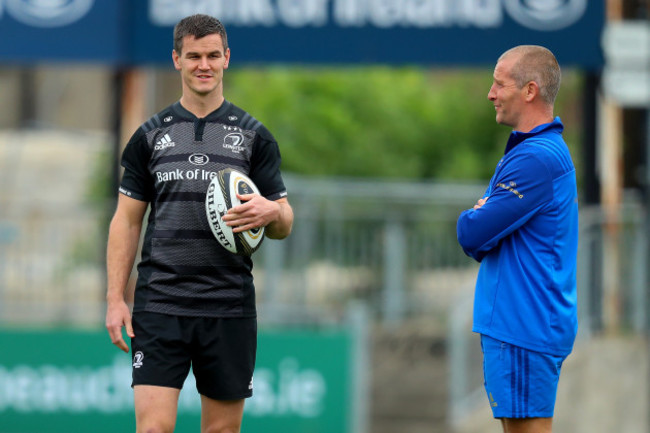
x,y
524,231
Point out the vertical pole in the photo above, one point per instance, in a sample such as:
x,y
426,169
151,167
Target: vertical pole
x,y
274,262
116,146
458,340
590,281
394,270
646,202
589,92
116,127
612,180
358,318
646,205
610,145
29,96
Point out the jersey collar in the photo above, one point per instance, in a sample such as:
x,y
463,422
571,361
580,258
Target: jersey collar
x,y
184,113
517,137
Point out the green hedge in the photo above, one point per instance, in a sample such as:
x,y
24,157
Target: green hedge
x,y
379,121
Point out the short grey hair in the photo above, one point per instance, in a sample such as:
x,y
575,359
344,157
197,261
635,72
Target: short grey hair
x,y
538,64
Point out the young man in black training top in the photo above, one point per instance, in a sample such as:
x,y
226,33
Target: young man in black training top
x,y
194,301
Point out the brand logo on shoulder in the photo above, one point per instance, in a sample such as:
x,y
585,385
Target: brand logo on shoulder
x,y
512,187
138,358
168,119
199,158
164,143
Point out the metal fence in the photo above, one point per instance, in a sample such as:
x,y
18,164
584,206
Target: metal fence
x,y
51,271
389,245
51,234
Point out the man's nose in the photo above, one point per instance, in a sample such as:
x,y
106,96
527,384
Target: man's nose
x,y
204,64
490,94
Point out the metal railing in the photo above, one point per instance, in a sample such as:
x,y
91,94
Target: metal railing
x,y
390,245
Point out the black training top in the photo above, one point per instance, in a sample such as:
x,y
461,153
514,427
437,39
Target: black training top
x,y
169,163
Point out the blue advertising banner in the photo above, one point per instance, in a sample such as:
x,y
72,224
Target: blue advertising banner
x,y
426,32
35,31
423,32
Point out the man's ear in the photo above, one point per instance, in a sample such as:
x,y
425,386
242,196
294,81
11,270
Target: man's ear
x,y
531,91
176,60
227,62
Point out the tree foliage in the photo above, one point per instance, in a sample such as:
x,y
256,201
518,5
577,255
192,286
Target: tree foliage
x,y
375,121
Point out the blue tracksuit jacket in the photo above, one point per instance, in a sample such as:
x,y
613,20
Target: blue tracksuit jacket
x,y
526,238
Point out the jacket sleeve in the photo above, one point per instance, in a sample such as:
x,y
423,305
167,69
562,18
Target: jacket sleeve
x,y
520,188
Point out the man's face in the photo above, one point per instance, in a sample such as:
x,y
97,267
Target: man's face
x,y
201,64
507,97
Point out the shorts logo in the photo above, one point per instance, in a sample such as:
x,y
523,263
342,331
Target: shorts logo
x,y
493,403
250,385
138,357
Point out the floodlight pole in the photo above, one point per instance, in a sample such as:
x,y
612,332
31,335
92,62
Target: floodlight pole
x,y
116,127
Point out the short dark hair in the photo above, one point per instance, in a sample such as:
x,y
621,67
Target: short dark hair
x,y
199,26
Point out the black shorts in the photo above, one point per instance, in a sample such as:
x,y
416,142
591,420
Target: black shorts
x,y
221,352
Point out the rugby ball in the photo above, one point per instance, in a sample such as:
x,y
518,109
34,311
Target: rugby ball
x,y
221,196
